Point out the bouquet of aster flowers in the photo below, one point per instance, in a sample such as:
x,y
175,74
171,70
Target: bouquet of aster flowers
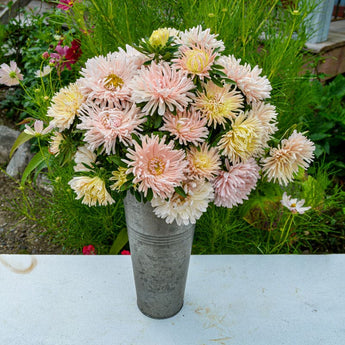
x,y
174,122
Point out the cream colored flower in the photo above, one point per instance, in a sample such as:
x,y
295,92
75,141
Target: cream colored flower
x,y
159,38
84,156
218,104
120,178
65,106
55,142
92,190
243,140
294,205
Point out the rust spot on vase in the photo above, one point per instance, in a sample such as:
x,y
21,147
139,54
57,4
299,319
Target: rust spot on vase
x,y
18,270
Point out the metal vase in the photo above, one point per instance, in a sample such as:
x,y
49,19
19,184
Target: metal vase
x,y
160,255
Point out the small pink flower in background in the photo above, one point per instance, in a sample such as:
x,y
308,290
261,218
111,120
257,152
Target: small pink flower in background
x,y
89,250
65,4
294,205
10,74
65,56
45,55
125,252
38,129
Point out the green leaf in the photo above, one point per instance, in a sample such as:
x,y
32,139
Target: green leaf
x,y
149,194
22,138
120,241
117,160
179,190
36,161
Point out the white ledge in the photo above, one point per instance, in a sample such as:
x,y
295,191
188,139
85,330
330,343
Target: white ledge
x,y
239,300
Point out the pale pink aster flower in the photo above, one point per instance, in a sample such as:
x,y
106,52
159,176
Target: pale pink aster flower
x,y
108,126
294,205
196,61
185,210
161,86
84,156
92,190
218,104
284,161
156,165
65,105
196,36
38,129
105,78
55,141
186,127
46,71
10,74
134,56
243,140
233,186
204,162
249,81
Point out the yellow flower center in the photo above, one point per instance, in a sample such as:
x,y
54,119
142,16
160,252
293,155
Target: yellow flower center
x,y
202,161
156,166
196,60
293,205
112,81
120,178
159,38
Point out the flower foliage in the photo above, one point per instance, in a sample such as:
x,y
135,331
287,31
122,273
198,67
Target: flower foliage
x,y
174,122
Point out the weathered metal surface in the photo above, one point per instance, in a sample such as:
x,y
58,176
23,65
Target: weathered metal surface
x,y
160,256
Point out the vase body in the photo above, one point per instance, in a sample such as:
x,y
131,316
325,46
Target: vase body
x,y
160,255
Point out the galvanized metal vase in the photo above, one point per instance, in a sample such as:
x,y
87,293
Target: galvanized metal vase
x,y
160,255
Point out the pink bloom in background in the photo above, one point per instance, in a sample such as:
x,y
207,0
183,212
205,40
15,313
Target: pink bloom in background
x,y
89,250
10,74
45,55
186,127
66,56
105,78
65,4
233,186
38,129
156,165
107,126
161,86
249,81
125,252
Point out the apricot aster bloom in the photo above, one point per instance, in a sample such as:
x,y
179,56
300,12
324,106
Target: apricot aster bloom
x,y
204,162
186,127
196,36
249,80
294,205
234,185
284,161
196,60
92,190
243,140
156,165
105,78
65,105
219,104
185,210
10,74
108,126
160,87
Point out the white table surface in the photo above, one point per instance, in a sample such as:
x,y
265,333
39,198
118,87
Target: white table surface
x,y
231,300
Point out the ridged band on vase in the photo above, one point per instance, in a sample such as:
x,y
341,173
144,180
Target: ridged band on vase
x,y
160,255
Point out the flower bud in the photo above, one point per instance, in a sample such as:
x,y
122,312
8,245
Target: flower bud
x,y
159,38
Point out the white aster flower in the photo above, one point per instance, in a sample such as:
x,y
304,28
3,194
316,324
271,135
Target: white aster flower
x,y
46,71
185,210
84,156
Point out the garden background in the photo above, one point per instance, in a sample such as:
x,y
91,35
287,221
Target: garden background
x,y
44,217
